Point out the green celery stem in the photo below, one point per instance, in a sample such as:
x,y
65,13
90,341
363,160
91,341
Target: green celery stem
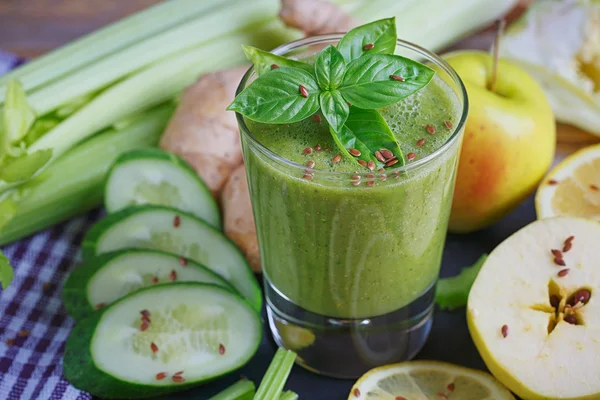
x,y
75,182
274,380
288,395
242,390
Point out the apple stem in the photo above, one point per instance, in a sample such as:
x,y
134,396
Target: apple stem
x,y
500,24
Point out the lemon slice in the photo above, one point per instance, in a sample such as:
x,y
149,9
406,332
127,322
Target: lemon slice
x,y
427,380
572,188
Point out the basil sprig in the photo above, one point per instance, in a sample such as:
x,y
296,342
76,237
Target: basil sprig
x,y
361,71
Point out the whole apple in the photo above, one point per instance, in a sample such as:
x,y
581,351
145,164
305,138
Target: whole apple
x,y
509,141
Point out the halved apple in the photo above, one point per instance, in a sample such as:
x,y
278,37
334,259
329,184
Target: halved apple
x,y
534,310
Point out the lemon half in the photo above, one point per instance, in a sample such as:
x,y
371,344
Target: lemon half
x,y
427,380
572,188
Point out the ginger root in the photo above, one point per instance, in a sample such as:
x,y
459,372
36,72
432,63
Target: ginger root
x,y
238,217
202,132
315,17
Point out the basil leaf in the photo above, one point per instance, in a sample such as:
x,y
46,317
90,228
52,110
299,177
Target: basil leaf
x,y
381,34
330,68
334,109
275,97
263,60
6,272
368,83
367,131
452,293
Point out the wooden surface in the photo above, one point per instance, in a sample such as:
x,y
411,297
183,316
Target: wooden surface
x,y
32,27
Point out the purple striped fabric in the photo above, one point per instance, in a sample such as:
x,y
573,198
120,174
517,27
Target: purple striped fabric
x,y
8,62
33,323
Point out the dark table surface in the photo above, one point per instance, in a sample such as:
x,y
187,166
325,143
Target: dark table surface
x,y
449,340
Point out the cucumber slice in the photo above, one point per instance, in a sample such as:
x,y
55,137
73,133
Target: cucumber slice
x,y
108,277
153,176
167,229
198,328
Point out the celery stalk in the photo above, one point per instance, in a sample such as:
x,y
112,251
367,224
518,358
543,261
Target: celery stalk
x,y
272,384
242,390
435,24
8,209
204,29
288,395
108,40
74,183
148,88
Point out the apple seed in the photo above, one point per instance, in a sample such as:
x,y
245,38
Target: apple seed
x,y
504,331
570,319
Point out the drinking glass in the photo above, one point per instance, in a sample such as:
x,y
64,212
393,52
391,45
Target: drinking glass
x,y
350,269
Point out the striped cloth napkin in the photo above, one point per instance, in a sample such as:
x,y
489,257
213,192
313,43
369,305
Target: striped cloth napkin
x,y
33,322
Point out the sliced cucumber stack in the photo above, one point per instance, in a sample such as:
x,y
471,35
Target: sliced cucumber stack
x,y
162,339
108,277
167,229
153,176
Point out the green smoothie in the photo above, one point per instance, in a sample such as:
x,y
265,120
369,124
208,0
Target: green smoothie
x,y
347,250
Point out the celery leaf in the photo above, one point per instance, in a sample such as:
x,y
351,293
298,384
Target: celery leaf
x,y
452,293
6,271
18,117
24,167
